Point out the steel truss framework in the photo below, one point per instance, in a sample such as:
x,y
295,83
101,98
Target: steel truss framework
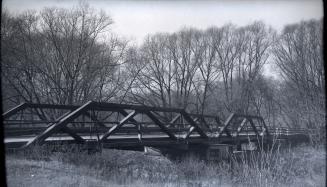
x,y
180,128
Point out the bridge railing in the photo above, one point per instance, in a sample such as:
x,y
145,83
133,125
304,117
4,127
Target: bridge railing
x,y
108,119
288,131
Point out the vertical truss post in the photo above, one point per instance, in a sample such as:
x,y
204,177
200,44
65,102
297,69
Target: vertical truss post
x,y
195,123
139,132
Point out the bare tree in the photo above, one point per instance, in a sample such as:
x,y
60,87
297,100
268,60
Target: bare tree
x,y
170,68
66,56
241,55
298,54
228,48
256,40
60,56
208,73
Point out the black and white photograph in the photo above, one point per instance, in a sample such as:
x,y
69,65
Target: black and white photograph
x,y
163,93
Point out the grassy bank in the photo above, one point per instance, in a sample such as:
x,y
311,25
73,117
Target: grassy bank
x,y
300,166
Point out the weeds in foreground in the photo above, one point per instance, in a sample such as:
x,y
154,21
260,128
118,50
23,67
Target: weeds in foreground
x,y
299,166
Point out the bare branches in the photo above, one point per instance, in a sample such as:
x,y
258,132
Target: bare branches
x,y
61,56
298,54
69,56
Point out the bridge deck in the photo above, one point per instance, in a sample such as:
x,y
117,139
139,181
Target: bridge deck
x,y
118,125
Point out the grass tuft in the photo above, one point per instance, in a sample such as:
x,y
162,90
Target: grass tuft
x,y
300,166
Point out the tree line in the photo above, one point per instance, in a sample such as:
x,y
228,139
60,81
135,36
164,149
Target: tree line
x,y
70,56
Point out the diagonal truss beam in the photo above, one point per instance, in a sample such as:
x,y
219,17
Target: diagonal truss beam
x,y
161,125
189,132
124,113
93,118
159,116
239,129
218,122
226,124
202,119
14,110
174,120
265,127
48,126
69,131
253,127
116,127
197,122
137,125
192,123
61,125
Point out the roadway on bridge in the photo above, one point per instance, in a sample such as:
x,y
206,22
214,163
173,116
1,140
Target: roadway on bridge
x,y
145,136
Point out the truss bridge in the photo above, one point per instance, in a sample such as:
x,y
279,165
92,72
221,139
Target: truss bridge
x,y
137,127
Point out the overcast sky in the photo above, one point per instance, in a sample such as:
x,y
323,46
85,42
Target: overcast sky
x,y
134,19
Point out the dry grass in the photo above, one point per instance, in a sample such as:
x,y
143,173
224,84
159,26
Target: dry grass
x,y
300,166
